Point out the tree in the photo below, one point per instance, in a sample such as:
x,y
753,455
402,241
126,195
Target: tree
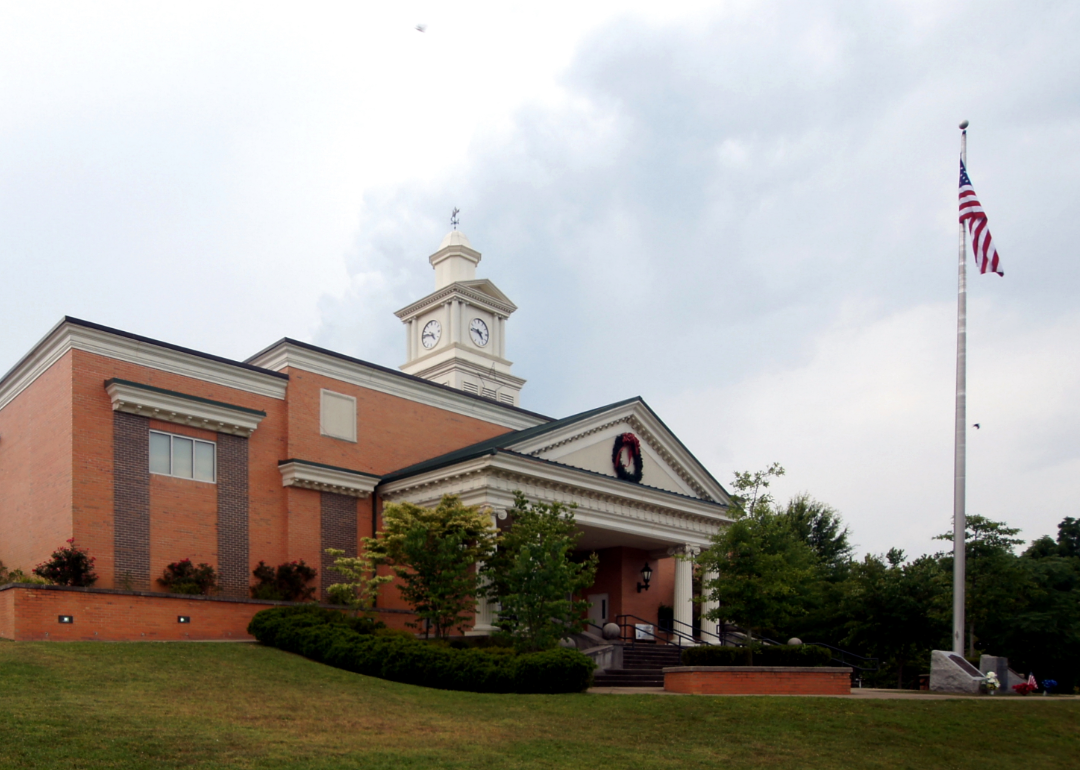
x,y
991,572
434,553
1069,537
820,527
896,612
750,489
361,586
764,573
534,578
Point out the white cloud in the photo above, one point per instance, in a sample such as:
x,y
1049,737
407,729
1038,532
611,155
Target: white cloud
x,y
866,423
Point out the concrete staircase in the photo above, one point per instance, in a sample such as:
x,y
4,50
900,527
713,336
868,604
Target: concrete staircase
x,y
642,667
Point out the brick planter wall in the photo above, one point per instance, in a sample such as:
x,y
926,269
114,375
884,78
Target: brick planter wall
x,y
30,613
757,680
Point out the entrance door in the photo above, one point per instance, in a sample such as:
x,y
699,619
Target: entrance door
x,y
598,609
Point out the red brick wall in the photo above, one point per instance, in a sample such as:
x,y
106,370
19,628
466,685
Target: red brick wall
x,y
392,432
759,680
618,576
131,500
338,525
35,469
7,614
30,614
183,512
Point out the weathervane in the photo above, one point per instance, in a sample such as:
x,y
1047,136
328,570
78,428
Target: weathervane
x,y
454,221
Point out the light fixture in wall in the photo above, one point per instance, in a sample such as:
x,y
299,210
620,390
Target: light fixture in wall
x,y
646,576
65,619
183,618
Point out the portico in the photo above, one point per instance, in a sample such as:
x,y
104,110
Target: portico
x,y
663,519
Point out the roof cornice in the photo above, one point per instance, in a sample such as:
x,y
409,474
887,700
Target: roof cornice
x,y
182,409
458,289
73,334
326,478
293,354
531,471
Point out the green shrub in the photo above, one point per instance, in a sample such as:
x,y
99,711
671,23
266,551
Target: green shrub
x,y
183,577
286,583
355,644
18,576
68,566
764,655
266,625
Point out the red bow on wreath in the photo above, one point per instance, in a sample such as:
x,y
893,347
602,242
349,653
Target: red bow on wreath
x,y
630,443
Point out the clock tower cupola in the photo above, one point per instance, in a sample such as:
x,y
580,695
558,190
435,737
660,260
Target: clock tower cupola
x,y
456,335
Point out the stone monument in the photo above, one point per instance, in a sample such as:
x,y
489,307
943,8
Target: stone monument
x,y
950,672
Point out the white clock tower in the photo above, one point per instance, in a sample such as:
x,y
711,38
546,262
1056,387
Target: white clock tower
x,y
457,334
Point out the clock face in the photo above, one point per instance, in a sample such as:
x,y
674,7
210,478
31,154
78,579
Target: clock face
x,y
479,332
430,335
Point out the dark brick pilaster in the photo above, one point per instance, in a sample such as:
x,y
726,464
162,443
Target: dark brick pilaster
x,y
338,530
131,500
232,513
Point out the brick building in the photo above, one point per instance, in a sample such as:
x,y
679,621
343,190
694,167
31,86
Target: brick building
x,y
147,453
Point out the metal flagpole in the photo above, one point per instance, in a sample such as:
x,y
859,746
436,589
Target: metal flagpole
x,y
960,451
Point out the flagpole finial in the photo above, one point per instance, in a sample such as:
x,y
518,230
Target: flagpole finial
x,y
963,125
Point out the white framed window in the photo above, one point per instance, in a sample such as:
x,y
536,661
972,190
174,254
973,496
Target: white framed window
x,y
183,457
338,416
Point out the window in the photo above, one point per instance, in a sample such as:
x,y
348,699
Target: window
x,y
183,457
338,416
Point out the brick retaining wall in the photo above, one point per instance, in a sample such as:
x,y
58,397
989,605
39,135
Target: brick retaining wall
x,y
757,680
30,613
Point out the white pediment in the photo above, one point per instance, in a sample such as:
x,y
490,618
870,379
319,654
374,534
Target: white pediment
x,y
589,443
488,288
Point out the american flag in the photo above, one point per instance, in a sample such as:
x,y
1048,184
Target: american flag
x,y
973,217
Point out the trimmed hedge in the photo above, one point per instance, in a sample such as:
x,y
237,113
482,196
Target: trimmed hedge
x,y
366,647
770,655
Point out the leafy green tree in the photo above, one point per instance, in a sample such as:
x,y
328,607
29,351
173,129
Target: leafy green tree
x,y
434,553
1069,537
360,588
991,572
896,612
751,490
534,578
765,574
820,527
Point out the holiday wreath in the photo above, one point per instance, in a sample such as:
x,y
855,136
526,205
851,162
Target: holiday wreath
x,y
630,443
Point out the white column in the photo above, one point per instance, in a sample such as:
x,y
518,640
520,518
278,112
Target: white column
x,y
708,627
410,343
684,588
455,321
501,323
487,611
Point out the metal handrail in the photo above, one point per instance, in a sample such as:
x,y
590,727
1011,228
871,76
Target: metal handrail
x,y
841,656
679,635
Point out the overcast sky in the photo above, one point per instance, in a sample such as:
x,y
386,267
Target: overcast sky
x,y
743,212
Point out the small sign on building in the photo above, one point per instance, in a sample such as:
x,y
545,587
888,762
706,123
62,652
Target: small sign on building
x,y
644,631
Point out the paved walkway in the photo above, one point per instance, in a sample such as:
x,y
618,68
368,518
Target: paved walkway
x,y
859,693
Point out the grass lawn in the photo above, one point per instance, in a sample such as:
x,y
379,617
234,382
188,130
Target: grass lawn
x,y
147,705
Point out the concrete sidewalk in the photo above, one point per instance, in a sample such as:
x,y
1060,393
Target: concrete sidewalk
x,y
859,693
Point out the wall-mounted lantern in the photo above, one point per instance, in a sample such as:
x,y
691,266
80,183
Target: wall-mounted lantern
x,y
646,576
